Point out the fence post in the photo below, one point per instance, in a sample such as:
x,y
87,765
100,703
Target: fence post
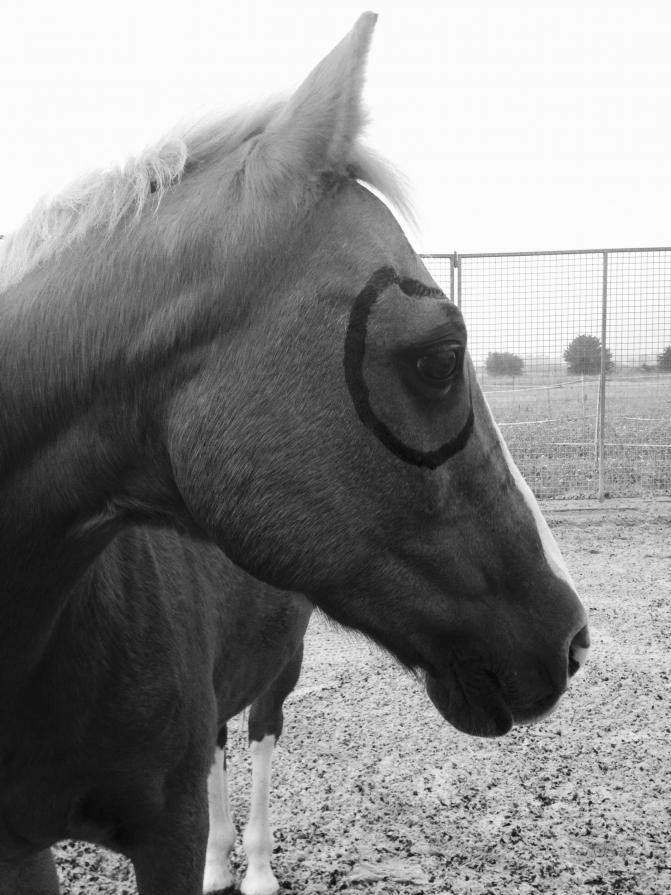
x,y
454,267
601,431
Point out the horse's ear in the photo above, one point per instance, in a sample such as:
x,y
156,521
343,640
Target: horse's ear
x,y
314,131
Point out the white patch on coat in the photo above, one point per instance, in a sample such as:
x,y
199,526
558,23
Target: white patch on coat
x,y
550,547
258,837
221,837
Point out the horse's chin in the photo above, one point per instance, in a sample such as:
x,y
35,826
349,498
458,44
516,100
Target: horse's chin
x,y
483,713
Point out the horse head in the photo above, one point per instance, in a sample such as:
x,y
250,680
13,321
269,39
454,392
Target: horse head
x,y
333,437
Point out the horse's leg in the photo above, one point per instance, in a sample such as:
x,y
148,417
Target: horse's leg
x,y
169,858
221,838
265,726
35,875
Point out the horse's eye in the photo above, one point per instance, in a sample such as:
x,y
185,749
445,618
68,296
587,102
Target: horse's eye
x,y
438,367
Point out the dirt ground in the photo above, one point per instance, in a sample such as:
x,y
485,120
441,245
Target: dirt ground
x,y
373,793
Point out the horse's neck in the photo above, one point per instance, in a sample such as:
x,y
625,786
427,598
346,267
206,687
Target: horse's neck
x,y
80,446
93,346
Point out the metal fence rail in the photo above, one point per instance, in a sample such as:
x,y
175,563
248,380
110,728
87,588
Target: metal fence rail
x,y
598,422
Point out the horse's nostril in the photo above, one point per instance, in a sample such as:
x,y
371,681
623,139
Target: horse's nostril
x,y
577,652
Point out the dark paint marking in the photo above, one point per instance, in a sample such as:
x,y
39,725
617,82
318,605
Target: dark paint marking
x,y
355,349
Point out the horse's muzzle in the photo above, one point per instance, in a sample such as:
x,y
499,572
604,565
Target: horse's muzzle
x,y
477,700
577,653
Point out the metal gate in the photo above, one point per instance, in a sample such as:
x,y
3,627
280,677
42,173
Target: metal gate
x,y
573,350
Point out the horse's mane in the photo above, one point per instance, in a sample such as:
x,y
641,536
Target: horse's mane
x,y
104,199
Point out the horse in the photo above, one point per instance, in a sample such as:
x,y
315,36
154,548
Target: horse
x,y
233,339
162,640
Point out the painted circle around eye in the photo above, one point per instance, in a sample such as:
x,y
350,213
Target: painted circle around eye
x,y
438,367
353,362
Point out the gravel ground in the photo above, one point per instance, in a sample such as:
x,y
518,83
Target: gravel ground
x,y
373,793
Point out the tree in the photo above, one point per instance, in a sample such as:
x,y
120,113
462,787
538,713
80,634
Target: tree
x,y
664,359
503,363
583,355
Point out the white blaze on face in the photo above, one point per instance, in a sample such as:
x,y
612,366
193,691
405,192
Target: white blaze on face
x,y
550,546
221,837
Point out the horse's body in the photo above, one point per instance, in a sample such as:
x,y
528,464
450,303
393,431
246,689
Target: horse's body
x,y
234,338
160,643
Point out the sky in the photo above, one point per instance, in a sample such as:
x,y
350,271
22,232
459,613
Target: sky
x,y
520,124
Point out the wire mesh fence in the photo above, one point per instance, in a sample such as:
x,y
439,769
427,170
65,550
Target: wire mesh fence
x,y
573,350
